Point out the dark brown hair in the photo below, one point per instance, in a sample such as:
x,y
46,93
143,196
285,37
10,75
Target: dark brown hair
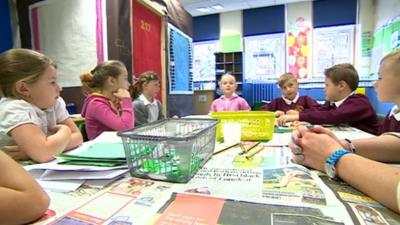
x,y
144,78
343,72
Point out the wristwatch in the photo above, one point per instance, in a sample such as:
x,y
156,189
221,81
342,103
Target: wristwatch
x,y
330,164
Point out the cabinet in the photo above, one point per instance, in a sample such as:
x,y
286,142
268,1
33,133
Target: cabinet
x,y
230,62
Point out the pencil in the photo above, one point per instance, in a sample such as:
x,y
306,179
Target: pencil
x,y
244,149
224,149
257,150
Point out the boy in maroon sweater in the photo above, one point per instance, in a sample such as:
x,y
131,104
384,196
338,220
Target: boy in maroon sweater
x,y
343,106
290,100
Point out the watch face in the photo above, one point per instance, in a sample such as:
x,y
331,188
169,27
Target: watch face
x,y
330,170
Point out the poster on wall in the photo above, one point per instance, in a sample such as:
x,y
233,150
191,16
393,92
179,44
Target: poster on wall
x,y
332,45
180,62
70,43
298,41
264,57
386,39
146,41
204,60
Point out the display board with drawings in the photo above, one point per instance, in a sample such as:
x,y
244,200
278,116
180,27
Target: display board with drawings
x,y
332,45
264,57
385,39
204,64
180,62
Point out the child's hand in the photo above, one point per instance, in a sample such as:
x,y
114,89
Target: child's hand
x,y
292,112
122,93
15,153
279,113
60,128
282,120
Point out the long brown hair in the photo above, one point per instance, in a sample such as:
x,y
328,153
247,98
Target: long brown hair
x,y
21,64
96,78
144,78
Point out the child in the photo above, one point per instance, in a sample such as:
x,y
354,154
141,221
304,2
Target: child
x,y
343,106
388,90
22,199
147,108
33,116
230,101
109,106
290,100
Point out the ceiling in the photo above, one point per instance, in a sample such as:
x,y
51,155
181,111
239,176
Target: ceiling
x,y
193,6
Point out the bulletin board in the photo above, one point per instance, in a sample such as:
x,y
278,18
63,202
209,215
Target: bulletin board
x,y
264,57
385,39
73,45
180,62
332,45
204,61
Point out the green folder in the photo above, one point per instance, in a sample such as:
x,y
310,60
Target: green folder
x,y
99,154
100,151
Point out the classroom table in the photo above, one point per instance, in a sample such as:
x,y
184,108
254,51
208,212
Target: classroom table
x,y
230,189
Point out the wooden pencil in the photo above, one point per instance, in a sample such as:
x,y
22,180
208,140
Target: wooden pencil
x,y
253,153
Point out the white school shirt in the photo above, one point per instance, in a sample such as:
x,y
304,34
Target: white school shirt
x,y
340,102
153,108
289,102
395,112
15,112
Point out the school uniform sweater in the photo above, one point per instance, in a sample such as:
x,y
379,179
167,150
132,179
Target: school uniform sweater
x,y
302,103
391,123
355,111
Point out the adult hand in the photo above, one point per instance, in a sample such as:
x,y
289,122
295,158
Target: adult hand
x,y
322,130
312,149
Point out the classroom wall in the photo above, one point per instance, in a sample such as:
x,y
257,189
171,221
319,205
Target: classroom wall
x,y
384,11
371,14
5,27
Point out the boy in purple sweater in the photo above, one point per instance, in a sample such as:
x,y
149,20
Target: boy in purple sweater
x,y
290,100
343,106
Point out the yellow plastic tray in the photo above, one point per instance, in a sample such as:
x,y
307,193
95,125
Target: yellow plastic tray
x,y
256,125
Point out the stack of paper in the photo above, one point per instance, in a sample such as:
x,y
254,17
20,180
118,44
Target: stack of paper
x,y
99,163
98,154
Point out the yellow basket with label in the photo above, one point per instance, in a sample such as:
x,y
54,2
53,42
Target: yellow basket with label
x,y
255,125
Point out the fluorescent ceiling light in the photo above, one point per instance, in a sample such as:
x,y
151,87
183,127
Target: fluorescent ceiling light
x,y
217,7
203,9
